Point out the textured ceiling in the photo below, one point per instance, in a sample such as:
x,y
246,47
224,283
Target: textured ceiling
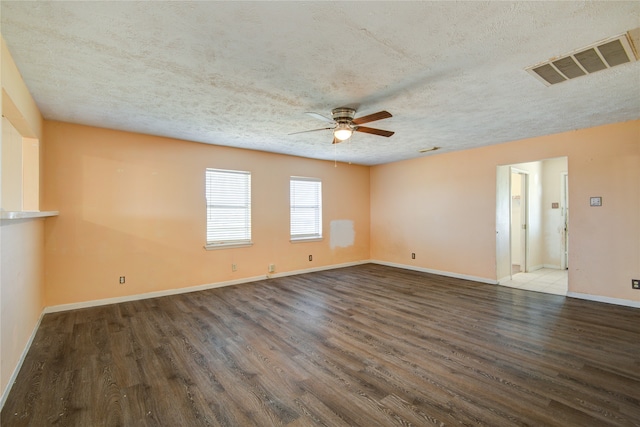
x,y
244,73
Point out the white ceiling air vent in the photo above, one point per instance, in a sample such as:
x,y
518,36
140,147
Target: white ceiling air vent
x,y
599,56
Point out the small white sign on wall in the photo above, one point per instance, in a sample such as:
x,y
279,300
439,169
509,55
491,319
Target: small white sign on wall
x,y
342,233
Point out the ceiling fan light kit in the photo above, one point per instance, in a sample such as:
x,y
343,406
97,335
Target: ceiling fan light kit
x,y
343,118
344,123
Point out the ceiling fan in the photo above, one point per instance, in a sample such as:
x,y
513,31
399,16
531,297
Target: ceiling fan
x,y
344,123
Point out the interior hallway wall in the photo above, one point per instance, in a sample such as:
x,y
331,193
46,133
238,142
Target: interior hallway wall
x,y
534,213
546,225
517,206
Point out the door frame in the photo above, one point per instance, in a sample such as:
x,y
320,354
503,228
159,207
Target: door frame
x,y
524,212
564,197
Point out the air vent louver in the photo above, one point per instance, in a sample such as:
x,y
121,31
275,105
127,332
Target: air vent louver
x,y
549,74
568,67
605,54
590,60
614,53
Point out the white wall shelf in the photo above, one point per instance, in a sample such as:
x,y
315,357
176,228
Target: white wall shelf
x,y
27,214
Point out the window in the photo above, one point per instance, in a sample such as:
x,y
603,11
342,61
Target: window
x,y
228,208
306,208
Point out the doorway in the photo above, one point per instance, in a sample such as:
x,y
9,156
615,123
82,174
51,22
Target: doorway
x,y
532,225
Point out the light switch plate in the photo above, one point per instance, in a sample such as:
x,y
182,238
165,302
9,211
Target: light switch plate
x,y
595,201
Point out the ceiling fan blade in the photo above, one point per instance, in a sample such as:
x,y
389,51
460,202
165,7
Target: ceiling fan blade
x,y
373,131
336,140
319,117
372,117
305,131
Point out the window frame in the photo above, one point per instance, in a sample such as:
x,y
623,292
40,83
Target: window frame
x,y
316,235
245,215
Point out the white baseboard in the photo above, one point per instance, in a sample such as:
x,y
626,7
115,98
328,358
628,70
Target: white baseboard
x,y
14,374
608,300
438,272
314,269
106,301
127,298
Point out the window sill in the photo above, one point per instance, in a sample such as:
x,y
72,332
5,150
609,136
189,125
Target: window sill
x,y
228,246
306,239
27,214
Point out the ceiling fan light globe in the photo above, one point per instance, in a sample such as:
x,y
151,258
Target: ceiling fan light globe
x,y
342,134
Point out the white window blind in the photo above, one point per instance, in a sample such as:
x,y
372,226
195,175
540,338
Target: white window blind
x,y
228,207
306,208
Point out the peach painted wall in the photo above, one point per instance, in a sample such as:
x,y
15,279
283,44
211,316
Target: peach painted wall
x,y
133,205
21,241
443,208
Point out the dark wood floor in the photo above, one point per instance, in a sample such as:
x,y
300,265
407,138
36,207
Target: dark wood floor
x,y
367,345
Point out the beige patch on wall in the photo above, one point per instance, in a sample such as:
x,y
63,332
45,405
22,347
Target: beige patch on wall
x,y
342,233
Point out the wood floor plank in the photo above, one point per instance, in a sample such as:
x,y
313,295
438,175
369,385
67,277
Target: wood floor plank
x,y
365,345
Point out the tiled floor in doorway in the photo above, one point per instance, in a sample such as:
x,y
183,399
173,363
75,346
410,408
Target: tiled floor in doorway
x,y
548,280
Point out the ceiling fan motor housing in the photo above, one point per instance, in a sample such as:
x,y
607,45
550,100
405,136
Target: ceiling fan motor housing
x,y
343,114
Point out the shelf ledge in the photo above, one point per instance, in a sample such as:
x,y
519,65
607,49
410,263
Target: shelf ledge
x,y
27,214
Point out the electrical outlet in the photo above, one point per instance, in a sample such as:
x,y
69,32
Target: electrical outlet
x,y
272,268
122,280
310,257
234,267
635,283
413,255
